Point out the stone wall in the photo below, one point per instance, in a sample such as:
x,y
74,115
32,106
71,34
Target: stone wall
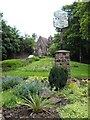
x,y
62,58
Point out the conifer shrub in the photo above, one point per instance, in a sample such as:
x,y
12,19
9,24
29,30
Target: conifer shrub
x,y
58,77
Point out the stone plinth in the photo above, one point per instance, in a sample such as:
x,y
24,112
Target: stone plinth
x,y
62,58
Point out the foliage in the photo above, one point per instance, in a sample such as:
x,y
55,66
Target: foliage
x,y
12,64
52,49
27,44
37,103
75,110
77,32
13,43
34,87
10,82
78,107
75,36
82,11
55,44
78,93
58,77
10,100
10,40
34,35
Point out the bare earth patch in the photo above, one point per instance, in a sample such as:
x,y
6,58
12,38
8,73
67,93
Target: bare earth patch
x,y
25,113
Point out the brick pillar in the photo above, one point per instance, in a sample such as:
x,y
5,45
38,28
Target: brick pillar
x,y
62,58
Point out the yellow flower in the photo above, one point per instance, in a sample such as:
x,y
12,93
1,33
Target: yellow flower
x,y
83,80
27,81
36,78
86,80
73,85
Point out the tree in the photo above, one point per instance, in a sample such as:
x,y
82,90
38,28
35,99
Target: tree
x,y
34,36
27,44
1,36
55,44
52,49
10,41
76,35
13,44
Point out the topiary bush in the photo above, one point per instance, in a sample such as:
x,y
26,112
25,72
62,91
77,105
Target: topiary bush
x,y
58,77
10,82
12,64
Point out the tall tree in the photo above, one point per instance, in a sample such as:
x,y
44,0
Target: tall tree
x,y
34,36
13,44
55,44
27,44
10,41
76,35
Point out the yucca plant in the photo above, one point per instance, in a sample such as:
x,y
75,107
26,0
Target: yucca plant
x,y
37,103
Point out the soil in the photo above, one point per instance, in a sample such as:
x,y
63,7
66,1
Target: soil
x,y
25,113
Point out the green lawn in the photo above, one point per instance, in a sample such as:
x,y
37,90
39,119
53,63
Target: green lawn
x,y
79,70
42,68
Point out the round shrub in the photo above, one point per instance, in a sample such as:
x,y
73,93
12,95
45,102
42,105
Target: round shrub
x,y
58,77
10,82
11,64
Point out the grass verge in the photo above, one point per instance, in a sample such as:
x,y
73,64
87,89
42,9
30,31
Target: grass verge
x,y
43,66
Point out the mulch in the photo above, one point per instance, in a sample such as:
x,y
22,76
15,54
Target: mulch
x,y
25,113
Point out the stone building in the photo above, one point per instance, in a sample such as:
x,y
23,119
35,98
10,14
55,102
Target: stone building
x,y
42,46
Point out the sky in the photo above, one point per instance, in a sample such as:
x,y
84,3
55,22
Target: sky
x,y
32,16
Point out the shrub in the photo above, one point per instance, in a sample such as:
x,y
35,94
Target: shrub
x,y
33,59
34,87
58,77
10,82
12,64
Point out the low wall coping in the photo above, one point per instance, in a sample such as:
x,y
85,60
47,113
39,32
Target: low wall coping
x,y
62,51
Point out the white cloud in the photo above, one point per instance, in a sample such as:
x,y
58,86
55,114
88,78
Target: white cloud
x,y
31,16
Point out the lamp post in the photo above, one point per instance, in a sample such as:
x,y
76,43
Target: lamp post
x,y
60,21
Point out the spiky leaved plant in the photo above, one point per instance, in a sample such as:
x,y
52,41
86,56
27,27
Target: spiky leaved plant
x,y
37,103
